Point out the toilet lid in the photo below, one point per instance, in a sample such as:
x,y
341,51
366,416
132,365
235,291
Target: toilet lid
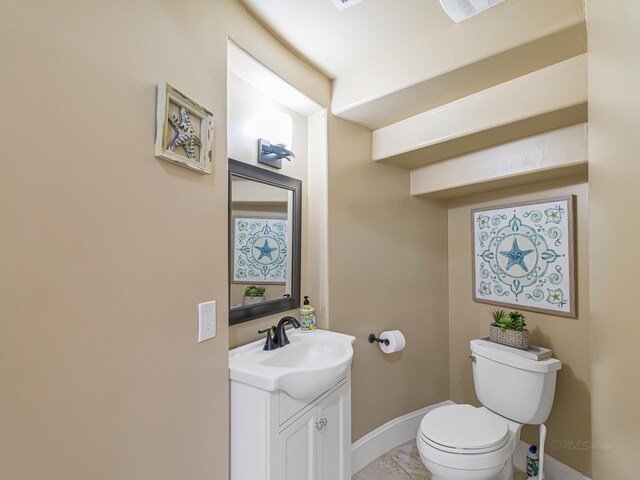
x,y
463,427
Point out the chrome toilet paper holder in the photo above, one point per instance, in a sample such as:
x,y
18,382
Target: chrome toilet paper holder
x,y
373,338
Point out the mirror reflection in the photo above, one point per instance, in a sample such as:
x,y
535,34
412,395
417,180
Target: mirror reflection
x,y
264,242
261,240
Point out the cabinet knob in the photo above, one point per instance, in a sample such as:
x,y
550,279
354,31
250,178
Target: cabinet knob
x,y
324,422
319,424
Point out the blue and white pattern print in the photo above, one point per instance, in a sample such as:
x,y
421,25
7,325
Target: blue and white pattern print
x,y
260,250
522,256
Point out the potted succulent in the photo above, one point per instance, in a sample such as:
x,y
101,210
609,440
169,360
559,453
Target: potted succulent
x,y
253,294
508,329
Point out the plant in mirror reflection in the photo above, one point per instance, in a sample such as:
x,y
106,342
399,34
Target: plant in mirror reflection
x,y
254,291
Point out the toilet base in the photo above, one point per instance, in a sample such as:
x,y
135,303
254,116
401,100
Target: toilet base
x,y
506,473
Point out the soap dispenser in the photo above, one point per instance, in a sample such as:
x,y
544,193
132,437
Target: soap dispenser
x,y
307,317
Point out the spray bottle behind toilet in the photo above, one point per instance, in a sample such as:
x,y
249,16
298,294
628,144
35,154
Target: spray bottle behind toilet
x,y
533,462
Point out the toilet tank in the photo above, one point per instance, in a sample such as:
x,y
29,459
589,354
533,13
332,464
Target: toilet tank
x,y
513,386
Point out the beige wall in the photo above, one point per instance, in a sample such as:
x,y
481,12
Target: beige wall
x,y
105,250
569,338
614,170
387,270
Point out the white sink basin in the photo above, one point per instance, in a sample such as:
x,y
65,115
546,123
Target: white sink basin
x,y
305,368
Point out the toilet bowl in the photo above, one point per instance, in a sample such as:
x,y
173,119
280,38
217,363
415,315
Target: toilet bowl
x,y
462,442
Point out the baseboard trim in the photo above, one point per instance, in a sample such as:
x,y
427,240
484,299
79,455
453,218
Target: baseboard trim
x,y
393,433
553,469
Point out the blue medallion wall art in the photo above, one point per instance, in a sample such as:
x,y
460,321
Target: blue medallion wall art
x,y
523,256
260,250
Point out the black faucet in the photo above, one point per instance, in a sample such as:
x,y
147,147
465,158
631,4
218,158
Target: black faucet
x,y
280,337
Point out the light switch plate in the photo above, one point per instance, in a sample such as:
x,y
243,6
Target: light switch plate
x,y
206,320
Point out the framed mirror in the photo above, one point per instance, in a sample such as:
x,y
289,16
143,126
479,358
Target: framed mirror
x,y
264,242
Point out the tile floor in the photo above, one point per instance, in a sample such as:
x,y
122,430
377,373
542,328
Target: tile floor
x,y
402,463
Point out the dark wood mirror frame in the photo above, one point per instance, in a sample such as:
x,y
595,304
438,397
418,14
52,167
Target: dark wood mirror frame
x,y
257,174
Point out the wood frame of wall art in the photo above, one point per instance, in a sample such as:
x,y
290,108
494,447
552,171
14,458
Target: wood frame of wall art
x,y
523,255
184,130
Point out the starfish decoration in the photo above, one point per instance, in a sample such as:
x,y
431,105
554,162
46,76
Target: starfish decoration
x,y
265,250
516,256
185,134
556,297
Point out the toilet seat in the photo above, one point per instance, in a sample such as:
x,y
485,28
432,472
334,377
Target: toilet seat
x,y
464,429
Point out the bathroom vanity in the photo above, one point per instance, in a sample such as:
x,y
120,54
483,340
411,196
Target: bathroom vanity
x,y
291,409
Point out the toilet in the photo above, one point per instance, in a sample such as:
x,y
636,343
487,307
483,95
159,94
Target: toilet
x,y
463,442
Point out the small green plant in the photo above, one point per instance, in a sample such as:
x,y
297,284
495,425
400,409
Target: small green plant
x,y
254,291
508,321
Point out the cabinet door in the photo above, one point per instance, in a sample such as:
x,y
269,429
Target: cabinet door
x,y
298,449
334,440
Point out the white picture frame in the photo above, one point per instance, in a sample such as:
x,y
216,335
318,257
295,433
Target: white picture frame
x,y
178,140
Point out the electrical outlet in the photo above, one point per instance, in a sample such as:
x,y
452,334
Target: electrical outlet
x,y
206,321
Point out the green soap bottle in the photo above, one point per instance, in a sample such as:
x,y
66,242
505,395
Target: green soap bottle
x,y
307,317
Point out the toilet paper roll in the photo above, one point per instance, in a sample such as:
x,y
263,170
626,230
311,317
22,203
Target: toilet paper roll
x,y
396,341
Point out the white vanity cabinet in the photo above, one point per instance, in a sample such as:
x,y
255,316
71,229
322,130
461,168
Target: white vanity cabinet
x,y
277,437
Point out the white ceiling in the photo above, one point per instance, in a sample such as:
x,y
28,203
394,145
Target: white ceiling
x,y
337,41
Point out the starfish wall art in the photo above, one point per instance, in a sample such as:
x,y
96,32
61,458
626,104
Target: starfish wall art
x,y
184,130
260,250
523,256
185,135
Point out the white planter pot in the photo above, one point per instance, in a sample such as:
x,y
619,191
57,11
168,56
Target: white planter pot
x,y
252,300
509,338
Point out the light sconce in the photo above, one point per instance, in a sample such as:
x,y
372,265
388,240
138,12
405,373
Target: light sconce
x,y
272,154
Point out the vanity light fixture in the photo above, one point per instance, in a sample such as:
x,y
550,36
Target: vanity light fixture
x,y
272,154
